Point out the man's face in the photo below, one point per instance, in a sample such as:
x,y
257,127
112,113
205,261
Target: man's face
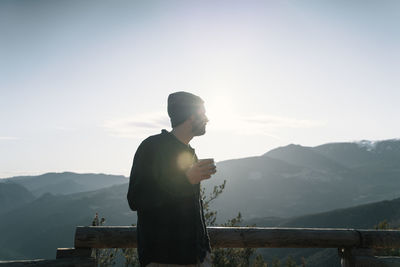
x,y
199,122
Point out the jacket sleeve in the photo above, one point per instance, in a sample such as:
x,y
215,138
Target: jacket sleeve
x,y
141,182
174,183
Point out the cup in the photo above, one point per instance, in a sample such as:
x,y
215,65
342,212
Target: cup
x,y
208,161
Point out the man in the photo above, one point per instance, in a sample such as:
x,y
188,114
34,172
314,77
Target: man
x,y
164,189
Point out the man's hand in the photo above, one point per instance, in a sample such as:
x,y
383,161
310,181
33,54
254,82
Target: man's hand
x,y
201,170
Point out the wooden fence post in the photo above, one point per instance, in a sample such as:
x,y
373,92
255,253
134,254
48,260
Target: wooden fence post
x,y
346,257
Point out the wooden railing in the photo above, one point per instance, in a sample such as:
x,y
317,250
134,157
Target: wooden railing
x,y
354,246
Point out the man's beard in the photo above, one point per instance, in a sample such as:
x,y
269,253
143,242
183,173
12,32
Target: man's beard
x,y
198,127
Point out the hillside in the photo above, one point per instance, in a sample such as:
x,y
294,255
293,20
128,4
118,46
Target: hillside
x,y
363,153
36,229
13,195
295,180
307,157
52,220
359,217
66,182
275,189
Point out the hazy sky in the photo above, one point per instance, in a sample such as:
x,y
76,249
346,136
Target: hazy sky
x,y
83,82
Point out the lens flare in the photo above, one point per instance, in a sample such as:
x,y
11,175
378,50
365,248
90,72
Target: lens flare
x,y
185,160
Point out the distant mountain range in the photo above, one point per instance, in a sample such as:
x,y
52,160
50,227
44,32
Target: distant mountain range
x,y
296,180
13,195
36,229
360,217
66,182
36,221
275,189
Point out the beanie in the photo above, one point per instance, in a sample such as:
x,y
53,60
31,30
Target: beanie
x,y
181,105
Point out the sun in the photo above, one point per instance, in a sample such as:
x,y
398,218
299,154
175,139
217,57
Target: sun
x,y
220,111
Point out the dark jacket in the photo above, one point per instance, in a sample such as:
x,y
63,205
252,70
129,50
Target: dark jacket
x,y
170,227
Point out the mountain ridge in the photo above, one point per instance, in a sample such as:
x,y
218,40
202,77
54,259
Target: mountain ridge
x,y
13,195
295,180
288,187
66,182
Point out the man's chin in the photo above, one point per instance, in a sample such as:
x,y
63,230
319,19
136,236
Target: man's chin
x,y
200,132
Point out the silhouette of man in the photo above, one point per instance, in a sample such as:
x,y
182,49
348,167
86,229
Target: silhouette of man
x,y
164,189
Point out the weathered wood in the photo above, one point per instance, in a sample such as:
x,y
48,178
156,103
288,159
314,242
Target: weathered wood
x,y
353,257
254,237
73,253
72,262
380,238
354,245
362,252
347,258
250,237
359,257
105,237
227,237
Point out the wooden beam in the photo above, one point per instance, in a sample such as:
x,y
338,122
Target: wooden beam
x,y
227,237
105,237
380,238
347,257
353,257
254,237
250,237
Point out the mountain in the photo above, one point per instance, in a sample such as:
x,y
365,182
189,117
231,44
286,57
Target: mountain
x,y
295,180
279,187
66,182
13,195
307,157
359,217
36,229
361,154
276,188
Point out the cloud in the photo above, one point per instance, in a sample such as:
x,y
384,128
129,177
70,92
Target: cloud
x,y
66,129
143,125
265,125
138,126
8,138
280,122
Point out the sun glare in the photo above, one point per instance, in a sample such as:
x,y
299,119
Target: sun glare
x,y
185,160
220,112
